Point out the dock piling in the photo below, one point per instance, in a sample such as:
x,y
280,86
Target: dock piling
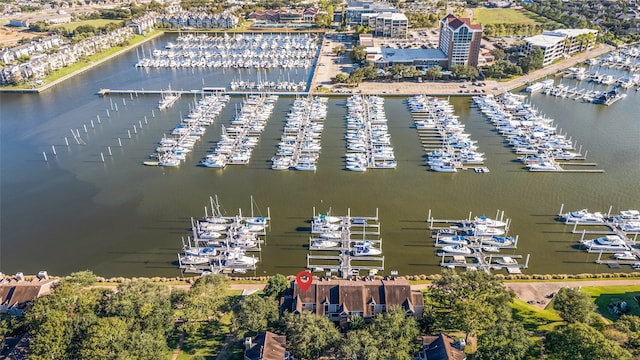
x,y
85,128
45,156
119,142
109,148
153,114
108,113
66,141
92,125
129,133
53,149
135,129
140,123
102,156
116,107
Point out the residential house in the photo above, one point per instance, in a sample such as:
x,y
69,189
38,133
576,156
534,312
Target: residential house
x,y
441,347
339,300
143,24
16,294
266,346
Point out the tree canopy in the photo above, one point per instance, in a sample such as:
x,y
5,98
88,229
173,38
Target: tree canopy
x,y
276,285
256,314
504,341
580,341
309,336
468,301
573,305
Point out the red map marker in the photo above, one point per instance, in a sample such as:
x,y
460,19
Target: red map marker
x,y
304,279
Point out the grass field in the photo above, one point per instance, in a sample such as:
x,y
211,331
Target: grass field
x,y
604,295
95,23
486,16
533,318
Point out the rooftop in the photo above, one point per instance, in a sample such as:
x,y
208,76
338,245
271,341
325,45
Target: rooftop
x,y
544,40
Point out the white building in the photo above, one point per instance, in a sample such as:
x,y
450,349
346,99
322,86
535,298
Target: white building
x,y
388,24
355,10
556,44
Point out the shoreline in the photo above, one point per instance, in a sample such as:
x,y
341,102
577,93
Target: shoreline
x,y
83,69
327,65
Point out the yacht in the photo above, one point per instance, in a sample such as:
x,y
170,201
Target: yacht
x,y
583,216
324,243
626,255
483,220
631,227
236,258
507,260
498,241
194,260
365,251
457,249
606,243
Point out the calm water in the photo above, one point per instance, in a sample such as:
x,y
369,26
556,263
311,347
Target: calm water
x,y
119,217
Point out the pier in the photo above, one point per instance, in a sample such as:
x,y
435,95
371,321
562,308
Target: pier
x,y
355,254
478,239
203,91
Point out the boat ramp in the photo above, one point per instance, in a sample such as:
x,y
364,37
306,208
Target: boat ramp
x,y
354,241
475,243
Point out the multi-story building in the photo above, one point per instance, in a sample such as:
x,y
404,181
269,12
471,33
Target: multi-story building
x,y
340,299
387,24
460,41
558,43
355,10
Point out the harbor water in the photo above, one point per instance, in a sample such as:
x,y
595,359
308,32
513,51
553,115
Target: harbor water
x,y
75,211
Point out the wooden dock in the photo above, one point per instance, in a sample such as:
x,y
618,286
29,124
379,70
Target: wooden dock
x,y
204,91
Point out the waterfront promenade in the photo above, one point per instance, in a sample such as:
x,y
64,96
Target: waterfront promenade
x,y
329,65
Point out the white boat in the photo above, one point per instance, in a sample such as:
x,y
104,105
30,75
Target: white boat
x,y
324,219
324,243
444,167
194,260
627,215
256,220
583,216
542,166
455,239
365,251
484,230
457,249
627,255
236,258
631,227
209,235
331,235
498,241
606,243
305,166
483,220
490,249
507,260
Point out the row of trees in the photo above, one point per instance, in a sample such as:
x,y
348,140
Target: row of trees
x,y
504,29
81,322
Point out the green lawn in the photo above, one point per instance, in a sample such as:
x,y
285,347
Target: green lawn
x,y
604,295
95,23
533,318
486,16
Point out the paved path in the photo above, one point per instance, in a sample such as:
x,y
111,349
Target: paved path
x,y
176,352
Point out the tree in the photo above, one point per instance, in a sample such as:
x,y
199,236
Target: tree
x,y
145,304
339,50
309,336
256,314
498,53
391,335
204,301
276,285
339,78
358,53
434,72
105,339
573,305
84,278
468,301
504,341
580,341
627,329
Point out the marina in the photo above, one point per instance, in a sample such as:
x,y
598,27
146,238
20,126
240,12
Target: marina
x,y
442,135
237,141
356,239
615,238
123,219
478,239
532,135
238,50
299,146
367,138
220,243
